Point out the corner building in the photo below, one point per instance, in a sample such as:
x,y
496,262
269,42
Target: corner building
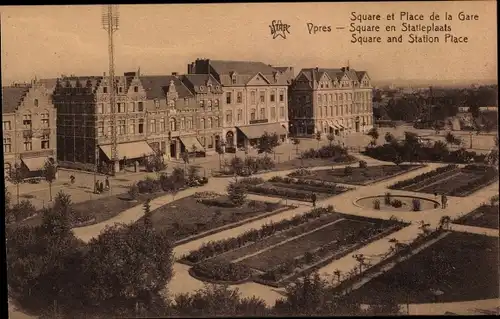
x,y
255,98
29,128
330,101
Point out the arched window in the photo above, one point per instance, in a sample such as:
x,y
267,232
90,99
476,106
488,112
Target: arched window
x,y
202,124
216,122
209,123
183,123
35,102
252,114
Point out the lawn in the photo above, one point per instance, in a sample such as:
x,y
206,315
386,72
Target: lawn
x,y
277,238
463,266
360,176
297,247
101,209
187,216
313,162
483,216
452,183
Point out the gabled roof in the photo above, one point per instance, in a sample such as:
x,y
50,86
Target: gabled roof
x,y
12,97
241,67
156,86
314,74
194,81
49,84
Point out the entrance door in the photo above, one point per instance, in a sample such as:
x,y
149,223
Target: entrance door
x,y
172,150
357,126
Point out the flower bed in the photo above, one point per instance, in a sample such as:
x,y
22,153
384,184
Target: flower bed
x,y
424,176
211,249
308,182
221,272
304,194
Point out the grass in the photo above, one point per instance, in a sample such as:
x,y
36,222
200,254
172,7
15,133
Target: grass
x,y
102,208
463,266
186,217
277,238
361,176
483,216
311,162
297,247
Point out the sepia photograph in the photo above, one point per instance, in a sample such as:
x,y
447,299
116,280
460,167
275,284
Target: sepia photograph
x,y
250,159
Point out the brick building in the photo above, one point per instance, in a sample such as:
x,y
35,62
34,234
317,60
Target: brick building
x,y
29,127
255,98
335,101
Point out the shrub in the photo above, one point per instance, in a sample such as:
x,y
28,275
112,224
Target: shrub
x,y
237,192
222,271
396,203
301,172
335,152
416,204
272,206
252,180
348,170
148,185
363,164
206,195
281,192
21,211
376,204
424,176
133,191
387,199
265,163
216,202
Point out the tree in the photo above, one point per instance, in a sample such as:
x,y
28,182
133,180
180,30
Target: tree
x,y
148,223
176,181
185,158
194,149
338,274
49,173
237,165
16,177
59,218
267,143
237,192
317,136
373,133
457,142
296,142
389,138
361,259
449,138
125,267
444,222
156,163
330,137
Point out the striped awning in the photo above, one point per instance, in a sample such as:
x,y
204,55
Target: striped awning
x,y
129,150
35,163
191,143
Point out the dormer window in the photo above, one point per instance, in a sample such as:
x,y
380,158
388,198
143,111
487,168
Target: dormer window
x,y
171,103
202,103
321,85
35,102
186,101
234,80
157,104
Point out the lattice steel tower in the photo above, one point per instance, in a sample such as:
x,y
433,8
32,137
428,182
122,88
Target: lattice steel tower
x,y
110,21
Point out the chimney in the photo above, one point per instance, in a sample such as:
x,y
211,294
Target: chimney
x,y
347,68
343,69
174,74
316,68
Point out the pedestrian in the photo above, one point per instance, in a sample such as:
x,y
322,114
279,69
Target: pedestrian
x,y
445,201
107,183
72,179
101,187
97,187
313,199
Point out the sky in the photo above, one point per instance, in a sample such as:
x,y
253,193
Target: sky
x,y
47,41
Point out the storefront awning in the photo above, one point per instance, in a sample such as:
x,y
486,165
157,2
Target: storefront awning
x,y
189,141
341,126
257,130
129,150
35,163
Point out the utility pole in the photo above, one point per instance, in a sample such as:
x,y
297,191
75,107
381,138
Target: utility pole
x,y
110,21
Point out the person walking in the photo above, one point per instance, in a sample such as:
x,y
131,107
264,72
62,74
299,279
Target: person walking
x,y
107,183
97,187
445,201
313,199
101,187
72,179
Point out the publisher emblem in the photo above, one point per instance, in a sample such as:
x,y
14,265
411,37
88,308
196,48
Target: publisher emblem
x,y
279,29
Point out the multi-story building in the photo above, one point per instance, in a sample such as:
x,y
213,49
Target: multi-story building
x,y
336,101
29,128
163,114
255,98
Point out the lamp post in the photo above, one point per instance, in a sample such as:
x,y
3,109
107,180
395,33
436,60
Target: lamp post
x,y
470,135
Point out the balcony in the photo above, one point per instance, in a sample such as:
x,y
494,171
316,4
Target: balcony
x,y
258,121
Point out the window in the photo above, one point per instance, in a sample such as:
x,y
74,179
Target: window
x,y
216,102
35,102
262,96
252,115
121,107
262,113
136,89
186,101
161,124
228,98
27,121
234,80
110,130
131,126
202,103
7,145
183,123
45,119
104,89
272,97
211,142
189,123
336,110
157,104
319,98
202,124
140,107
273,113
239,97
340,96
252,97
350,96
331,110
216,122
326,111
239,115
27,144
6,125
229,117
121,127
209,104
99,108
173,125
282,112
131,107
108,108
282,97
141,125
209,123
152,126
171,103
120,89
